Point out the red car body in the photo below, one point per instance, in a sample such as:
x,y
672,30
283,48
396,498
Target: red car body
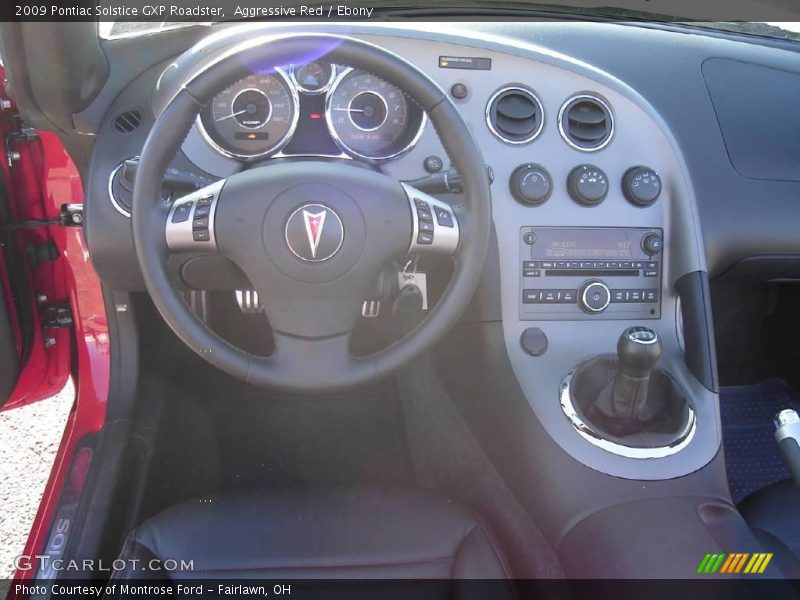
x,y
42,178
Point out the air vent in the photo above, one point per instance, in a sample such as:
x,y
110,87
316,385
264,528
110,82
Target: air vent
x,y
586,123
515,115
127,121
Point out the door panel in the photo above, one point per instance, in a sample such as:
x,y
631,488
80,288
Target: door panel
x,y
9,361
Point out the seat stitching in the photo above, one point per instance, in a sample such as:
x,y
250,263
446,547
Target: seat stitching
x,y
458,551
330,566
500,557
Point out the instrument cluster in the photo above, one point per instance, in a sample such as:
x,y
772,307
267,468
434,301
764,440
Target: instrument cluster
x,y
314,109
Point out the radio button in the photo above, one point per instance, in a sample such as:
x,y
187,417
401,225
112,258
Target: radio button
x,y
651,273
531,296
618,295
568,296
650,295
531,273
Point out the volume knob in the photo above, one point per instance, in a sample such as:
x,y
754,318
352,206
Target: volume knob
x,y
594,297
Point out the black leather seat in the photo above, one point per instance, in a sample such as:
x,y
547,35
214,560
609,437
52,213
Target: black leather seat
x,y
313,533
774,516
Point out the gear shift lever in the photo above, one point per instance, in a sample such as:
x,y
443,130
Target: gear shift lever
x,y
627,397
638,351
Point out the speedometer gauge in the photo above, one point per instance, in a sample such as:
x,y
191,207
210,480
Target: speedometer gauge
x,y
371,118
254,117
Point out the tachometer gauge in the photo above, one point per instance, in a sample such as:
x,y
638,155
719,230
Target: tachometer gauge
x,y
254,117
314,77
371,118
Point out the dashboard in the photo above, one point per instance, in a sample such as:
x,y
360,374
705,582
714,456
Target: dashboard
x,y
601,198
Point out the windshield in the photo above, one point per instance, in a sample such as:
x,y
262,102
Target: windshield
x,y
770,18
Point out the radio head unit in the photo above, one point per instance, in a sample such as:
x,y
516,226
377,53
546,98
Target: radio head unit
x,y
590,273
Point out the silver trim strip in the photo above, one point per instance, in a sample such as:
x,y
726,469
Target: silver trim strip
x,y
277,147
530,93
585,96
587,432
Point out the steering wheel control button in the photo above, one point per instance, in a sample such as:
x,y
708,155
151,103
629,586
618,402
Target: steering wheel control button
x,y
205,200
314,232
641,186
594,297
652,243
433,164
182,212
421,204
530,184
533,341
201,223
431,235
424,215
443,217
587,185
202,235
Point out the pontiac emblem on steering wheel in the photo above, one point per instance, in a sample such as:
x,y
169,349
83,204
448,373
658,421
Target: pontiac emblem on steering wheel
x,y
314,233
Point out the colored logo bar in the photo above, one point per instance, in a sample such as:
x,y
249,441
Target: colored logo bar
x,y
737,562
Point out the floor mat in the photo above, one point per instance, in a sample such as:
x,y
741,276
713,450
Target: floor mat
x,y
218,434
752,457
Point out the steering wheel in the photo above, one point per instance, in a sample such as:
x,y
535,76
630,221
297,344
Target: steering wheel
x,y
312,236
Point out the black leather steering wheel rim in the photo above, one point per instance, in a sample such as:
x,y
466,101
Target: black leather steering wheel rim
x,y
149,214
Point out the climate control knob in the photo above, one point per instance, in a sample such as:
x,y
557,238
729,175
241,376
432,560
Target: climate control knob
x,y
587,185
641,186
530,184
594,297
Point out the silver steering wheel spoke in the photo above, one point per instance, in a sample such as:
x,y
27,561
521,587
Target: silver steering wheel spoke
x,y
434,224
190,222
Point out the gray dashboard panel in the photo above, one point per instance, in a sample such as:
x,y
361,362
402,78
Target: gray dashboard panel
x,y
641,137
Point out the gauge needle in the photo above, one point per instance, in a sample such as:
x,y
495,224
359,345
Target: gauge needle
x,y
358,110
230,116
